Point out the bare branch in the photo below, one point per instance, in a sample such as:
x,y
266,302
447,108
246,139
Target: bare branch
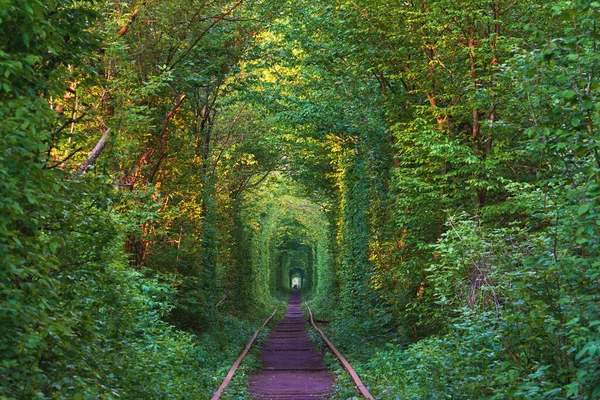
x,y
89,161
65,159
125,27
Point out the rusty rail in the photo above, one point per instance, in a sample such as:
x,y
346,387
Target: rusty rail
x,y
239,360
357,382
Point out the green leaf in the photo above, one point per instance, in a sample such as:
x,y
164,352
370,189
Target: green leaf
x,y
584,208
572,389
569,94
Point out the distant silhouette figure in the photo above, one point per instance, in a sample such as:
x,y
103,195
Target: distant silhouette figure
x,y
295,286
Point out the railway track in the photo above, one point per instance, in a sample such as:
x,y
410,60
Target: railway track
x,y
292,367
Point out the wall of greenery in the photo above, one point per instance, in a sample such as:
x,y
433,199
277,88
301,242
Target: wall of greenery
x,y
463,165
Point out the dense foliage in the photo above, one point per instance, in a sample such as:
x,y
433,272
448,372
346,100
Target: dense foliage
x,y
109,199
428,171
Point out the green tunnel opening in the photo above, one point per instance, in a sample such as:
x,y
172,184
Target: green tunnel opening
x,y
289,242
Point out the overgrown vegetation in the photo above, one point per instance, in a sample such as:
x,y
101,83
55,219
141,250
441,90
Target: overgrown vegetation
x,y
429,171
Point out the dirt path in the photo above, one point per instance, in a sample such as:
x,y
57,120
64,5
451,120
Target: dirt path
x,y
292,368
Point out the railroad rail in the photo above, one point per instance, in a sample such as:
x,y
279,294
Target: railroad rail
x,y
357,382
239,360
287,366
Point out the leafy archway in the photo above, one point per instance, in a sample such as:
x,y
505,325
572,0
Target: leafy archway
x,y
290,239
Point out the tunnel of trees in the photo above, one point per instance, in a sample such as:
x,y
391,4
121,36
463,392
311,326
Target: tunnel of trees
x,y
427,170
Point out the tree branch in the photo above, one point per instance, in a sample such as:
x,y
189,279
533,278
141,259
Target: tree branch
x,y
163,136
205,31
125,27
89,161
65,159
